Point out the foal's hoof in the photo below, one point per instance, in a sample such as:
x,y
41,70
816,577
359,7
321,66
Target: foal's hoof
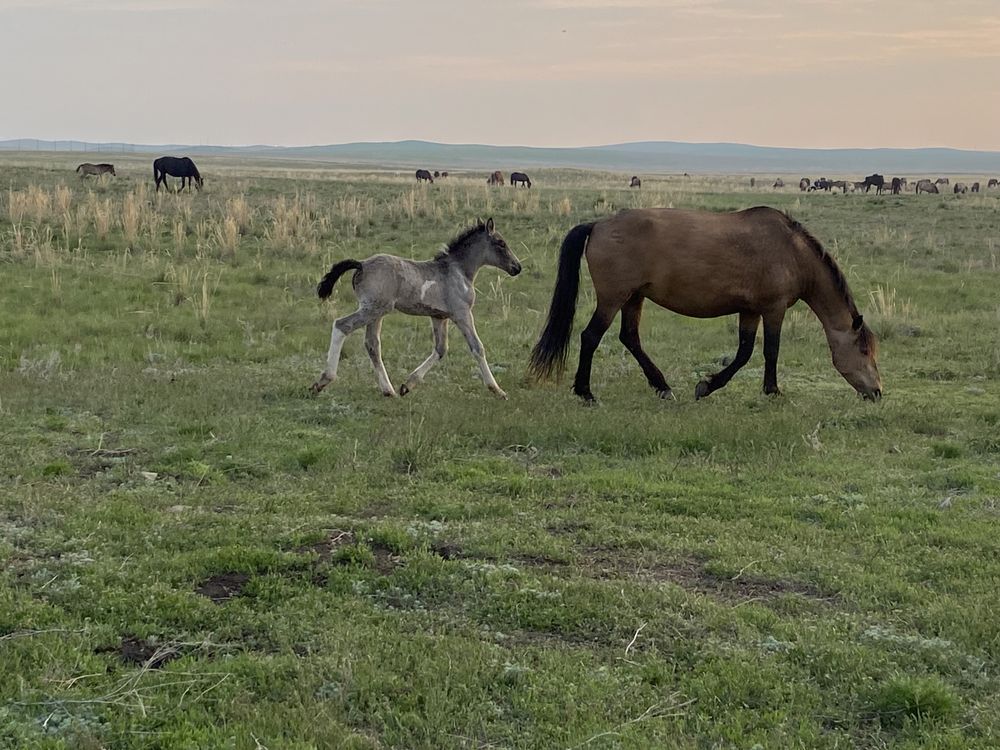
x,y
390,394
666,394
500,394
776,391
316,387
403,389
701,390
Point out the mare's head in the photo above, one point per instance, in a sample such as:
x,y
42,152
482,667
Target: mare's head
x,y
484,242
855,355
199,182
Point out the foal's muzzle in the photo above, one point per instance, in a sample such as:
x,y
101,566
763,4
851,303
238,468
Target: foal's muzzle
x,y
515,269
873,395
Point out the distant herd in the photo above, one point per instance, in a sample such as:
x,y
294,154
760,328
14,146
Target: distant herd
x,y
185,168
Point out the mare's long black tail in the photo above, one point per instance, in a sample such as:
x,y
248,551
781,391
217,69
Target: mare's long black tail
x,y
325,287
549,354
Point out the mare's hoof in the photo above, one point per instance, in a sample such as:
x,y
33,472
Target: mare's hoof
x,y
501,394
666,394
316,387
403,390
389,394
775,392
701,390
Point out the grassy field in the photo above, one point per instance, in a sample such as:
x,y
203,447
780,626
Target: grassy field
x,y
199,554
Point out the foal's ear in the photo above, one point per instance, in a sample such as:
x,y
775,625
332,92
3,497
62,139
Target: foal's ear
x,y
489,225
858,322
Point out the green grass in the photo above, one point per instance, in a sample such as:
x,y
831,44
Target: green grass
x,y
449,570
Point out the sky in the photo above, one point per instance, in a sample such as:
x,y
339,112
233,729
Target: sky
x,y
803,73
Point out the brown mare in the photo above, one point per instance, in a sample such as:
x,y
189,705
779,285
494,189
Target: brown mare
x,y
755,263
95,169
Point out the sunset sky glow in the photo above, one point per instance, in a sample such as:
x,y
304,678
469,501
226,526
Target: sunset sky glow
x,y
808,73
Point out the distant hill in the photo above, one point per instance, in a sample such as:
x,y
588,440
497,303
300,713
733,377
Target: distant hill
x,y
642,157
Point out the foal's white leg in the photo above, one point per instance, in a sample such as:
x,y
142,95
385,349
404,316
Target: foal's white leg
x,y
440,349
342,328
373,343
468,328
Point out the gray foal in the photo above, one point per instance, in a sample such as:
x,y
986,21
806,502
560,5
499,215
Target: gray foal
x,y
442,288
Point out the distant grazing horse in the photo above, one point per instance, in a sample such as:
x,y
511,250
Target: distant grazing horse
x,y
941,181
961,187
804,184
925,186
753,182
175,166
436,173
423,174
442,288
444,174
778,183
822,184
495,179
994,182
519,178
897,185
96,169
974,188
876,181
755,263
842,184
636,182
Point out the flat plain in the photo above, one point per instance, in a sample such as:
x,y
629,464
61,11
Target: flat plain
x,y
197,553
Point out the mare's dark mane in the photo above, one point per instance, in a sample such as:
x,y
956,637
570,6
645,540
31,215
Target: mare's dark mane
x,y
866,338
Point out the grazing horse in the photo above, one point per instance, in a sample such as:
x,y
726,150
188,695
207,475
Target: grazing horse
x,y
941,181
423,174
960,187
974,188
519,178
96,169
175,166
822,184
804,184
495,179
897,185
876,181
442,288
636,182
755,263
444,174
925,186
753,182
842,184
994,182
778,183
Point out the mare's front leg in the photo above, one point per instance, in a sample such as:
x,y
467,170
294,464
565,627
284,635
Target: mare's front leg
x,y
468,328
342,328
440,349
373,343
748,335
772,341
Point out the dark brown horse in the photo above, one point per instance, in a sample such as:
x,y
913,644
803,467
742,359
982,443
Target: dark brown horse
x,y
755,263
636,182
876,181
96,169
175,166
993,182
423,175
897,185
519,178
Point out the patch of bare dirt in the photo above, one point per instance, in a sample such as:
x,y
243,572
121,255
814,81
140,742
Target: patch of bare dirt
x,y
386,560
222,587
325,548
132,650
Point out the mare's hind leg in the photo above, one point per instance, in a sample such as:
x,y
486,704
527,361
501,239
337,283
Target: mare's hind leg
x,y
748,335
631,314
373,343
440,349
772,340
599,323
342,328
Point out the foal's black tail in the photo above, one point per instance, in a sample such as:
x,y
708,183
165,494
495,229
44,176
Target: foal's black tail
x,y
549,354
325,288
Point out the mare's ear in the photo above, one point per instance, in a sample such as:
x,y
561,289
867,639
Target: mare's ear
x,y
489,225
858,322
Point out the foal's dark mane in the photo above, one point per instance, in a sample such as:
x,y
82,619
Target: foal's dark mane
x,y
458,245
